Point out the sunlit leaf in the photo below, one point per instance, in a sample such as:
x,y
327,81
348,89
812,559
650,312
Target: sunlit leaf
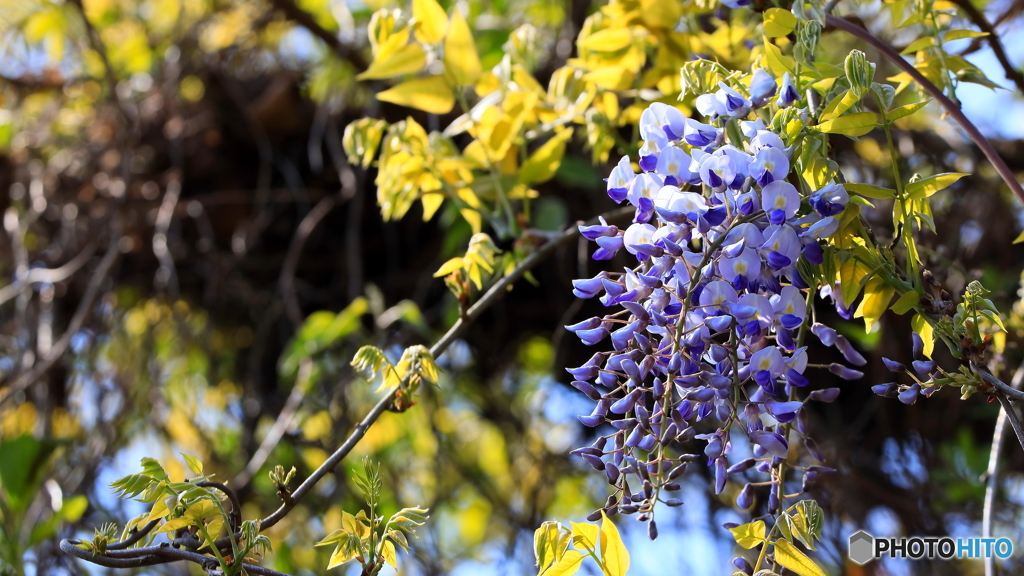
x,y
792,558
430,94
460,55
779,22
749,535
928,186
431,21
613,551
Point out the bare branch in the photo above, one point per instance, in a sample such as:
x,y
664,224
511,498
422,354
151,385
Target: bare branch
x,y
992,473
291,259
306,20
48,275
32,375
978,18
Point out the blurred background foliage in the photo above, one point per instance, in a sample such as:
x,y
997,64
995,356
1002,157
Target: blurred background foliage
x,y
219,258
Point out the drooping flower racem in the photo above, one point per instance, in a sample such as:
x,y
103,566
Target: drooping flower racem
x,y
705,338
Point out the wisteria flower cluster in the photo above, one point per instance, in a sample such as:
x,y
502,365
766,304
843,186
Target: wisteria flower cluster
x,y
712,317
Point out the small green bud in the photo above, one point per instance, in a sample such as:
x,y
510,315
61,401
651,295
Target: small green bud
x,y
859,72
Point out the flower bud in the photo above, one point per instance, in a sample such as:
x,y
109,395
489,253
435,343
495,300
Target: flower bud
x,y
859,72
745,499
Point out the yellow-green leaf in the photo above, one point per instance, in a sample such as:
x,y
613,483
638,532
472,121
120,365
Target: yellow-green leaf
x,y
431,95
839,104
778,22
613,552
449,267
906,302
542,164
567,565
904,111
545,544
932,184
778,63
789,556
608,40
875,192
919,44
408,59
193,464
431,21
961,34
854,125
460,56
877,295
172,525
920,325
1019,238
387,550
749,535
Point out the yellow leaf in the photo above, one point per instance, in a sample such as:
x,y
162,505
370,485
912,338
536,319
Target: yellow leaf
x,y
920,325
851,272
172,525
431,95
613,552
778,63
660,13
608,40
877,294
778,22
408,59
749,535
870,191
431,21
567,565
449,267
431,202
1019,238
545,544
387,550
792,558
839,105
202,510
341,555
460,56
931,185
853,125
585,536
159,511
610,77
474,219
542,164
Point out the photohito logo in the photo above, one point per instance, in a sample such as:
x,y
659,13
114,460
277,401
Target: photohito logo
x,y
864,547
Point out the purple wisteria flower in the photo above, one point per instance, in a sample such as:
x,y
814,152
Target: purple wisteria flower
x,y
705,338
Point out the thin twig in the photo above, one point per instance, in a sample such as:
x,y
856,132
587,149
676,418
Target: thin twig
x,y
84,307
992,473
978,18
997,383
166,275
284,420
495,293
48,275
1012,417
952,108
236,506
291,260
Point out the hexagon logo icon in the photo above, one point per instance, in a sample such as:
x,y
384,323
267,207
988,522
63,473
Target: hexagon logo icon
x,y
862,547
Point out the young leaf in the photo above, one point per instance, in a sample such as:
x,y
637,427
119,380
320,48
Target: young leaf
x,y
408,59
567,565
749,535
172,525
613,552
545,542
542,164
585,536
431,94
460,56
924,330
961,34
877,294
906,302
431,21
904,111
789,556
193,464
857,124
932,184
875,192
779,22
